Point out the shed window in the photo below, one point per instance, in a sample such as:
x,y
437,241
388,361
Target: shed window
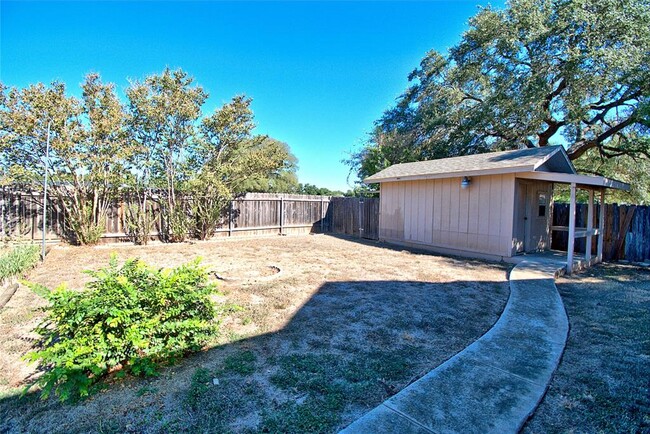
x,y
541,204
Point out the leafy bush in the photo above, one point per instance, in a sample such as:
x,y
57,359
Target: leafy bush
x,y
179,224
84,221
19,260
139,221
129,319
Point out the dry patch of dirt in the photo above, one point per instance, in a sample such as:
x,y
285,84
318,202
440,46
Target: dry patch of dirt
x,y
603,381
328,329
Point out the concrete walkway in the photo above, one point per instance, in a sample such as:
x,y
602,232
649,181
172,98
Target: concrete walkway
x,y
496,383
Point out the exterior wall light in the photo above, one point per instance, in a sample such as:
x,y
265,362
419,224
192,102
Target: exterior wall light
x,y
465,182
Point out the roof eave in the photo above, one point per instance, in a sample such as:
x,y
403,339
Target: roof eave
x,y
458,174
582,180
561,150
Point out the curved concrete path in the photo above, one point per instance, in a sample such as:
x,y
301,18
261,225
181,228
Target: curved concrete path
x,y
496,383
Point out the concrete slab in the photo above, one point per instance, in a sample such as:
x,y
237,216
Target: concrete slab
x,y
387,420
467,397
496,383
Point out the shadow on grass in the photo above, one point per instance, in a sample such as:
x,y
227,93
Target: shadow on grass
x,y
349,347
467,262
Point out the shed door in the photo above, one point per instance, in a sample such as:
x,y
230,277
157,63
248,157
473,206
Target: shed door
x,y
532,210
521,216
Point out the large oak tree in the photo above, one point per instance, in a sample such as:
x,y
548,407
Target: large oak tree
x,y
540,72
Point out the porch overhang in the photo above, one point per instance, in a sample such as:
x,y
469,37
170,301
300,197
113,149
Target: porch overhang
x,y
592,184
581,181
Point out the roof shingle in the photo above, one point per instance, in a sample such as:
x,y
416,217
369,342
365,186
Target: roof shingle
x,y
469,165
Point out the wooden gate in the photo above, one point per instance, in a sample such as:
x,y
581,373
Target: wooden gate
x,y
355,216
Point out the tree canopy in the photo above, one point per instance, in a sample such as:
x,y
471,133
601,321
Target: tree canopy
x,y
158,146
540,72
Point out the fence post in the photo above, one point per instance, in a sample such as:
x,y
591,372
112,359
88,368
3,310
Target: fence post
x,y
230,212
322,217
360,218
282,216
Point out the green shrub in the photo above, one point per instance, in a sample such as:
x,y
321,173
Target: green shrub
x,y
19,260
129,319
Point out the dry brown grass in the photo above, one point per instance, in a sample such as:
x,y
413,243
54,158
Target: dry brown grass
x,y
602,384
342,326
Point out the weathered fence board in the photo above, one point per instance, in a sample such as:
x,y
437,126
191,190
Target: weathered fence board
x,y
21,216
635,242
355,216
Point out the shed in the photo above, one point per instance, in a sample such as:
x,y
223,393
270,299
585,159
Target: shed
x,y
494,206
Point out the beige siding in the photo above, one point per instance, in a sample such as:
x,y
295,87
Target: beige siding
x,y
428,212
442,214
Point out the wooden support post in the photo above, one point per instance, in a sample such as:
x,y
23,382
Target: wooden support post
x,y
230,215
601,227
590,226
360,218
322,217
282,216
572,229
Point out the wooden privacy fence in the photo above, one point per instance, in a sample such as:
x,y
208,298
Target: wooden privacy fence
x,y
627,230
254,214
357,216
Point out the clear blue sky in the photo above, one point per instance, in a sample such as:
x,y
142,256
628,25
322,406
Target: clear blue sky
x,y
319,73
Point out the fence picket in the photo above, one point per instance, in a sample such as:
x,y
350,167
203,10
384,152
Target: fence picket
x,y
636,242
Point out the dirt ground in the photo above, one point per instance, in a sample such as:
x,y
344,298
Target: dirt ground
x,y
328,328
602,384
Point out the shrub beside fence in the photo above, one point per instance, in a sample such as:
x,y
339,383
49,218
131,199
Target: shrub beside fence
x,y
631,243
255,214
22,216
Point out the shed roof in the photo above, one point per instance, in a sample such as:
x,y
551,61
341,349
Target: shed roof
x,y
550,163
492,163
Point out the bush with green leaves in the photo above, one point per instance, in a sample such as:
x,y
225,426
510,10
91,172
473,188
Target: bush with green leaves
x,y
130,319
18,260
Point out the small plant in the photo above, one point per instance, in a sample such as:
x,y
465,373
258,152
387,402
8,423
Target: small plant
x,y
19,260
241,363
84,222
199,387
129,319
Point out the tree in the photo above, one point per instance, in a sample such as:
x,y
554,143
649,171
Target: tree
x,y
164,110
540,72
624,168
232,159
87,147
159,149
281,177
319,191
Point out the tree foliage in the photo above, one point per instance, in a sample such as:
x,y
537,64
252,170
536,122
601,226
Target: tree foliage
x,y
164,110
157,148
540,72
318,191
233,160
87,147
